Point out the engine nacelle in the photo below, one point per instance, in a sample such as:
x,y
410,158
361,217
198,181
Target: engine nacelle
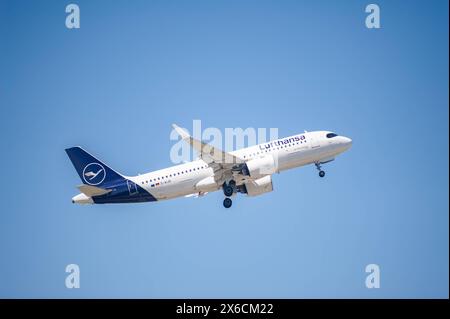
x,y
259,186
260,167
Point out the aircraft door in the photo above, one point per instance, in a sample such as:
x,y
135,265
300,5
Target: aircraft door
x,y
132,188
314,142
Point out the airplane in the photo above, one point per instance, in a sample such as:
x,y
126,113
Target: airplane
x,y
247,171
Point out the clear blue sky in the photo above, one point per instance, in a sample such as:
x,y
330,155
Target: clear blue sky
x,y
115,86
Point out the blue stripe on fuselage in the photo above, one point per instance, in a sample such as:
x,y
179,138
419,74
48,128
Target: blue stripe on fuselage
x,y
120,194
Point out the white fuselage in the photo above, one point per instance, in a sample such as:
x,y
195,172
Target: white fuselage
x,y
191,178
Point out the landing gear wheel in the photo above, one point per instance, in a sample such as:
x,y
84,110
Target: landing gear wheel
x,y
228,190
319,168
227,202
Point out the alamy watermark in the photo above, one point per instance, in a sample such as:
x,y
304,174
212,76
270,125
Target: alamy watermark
x,y
73,279
232,139
373,19
73,17
373,279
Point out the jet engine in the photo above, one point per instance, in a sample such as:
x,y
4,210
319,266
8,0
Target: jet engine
x,y
259,167
258,186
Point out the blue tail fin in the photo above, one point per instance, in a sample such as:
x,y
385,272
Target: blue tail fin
x,y
91,170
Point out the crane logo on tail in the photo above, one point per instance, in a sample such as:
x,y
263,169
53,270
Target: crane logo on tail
x,y
94,174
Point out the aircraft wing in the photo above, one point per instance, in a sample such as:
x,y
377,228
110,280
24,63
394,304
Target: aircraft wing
x,y
222,162
208,153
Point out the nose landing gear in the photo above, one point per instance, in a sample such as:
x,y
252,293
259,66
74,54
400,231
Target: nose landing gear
x,y
319,168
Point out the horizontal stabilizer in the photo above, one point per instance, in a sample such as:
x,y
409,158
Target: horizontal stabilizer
x,y
90,191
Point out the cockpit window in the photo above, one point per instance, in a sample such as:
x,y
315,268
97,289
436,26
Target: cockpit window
x,y
330,135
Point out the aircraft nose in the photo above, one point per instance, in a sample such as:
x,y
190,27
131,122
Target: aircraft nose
x,y
347,142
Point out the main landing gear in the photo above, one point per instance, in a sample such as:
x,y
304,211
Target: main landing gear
x,y
319,168
228,190
227,202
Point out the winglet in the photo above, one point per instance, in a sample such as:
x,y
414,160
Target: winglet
x,y
182,132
